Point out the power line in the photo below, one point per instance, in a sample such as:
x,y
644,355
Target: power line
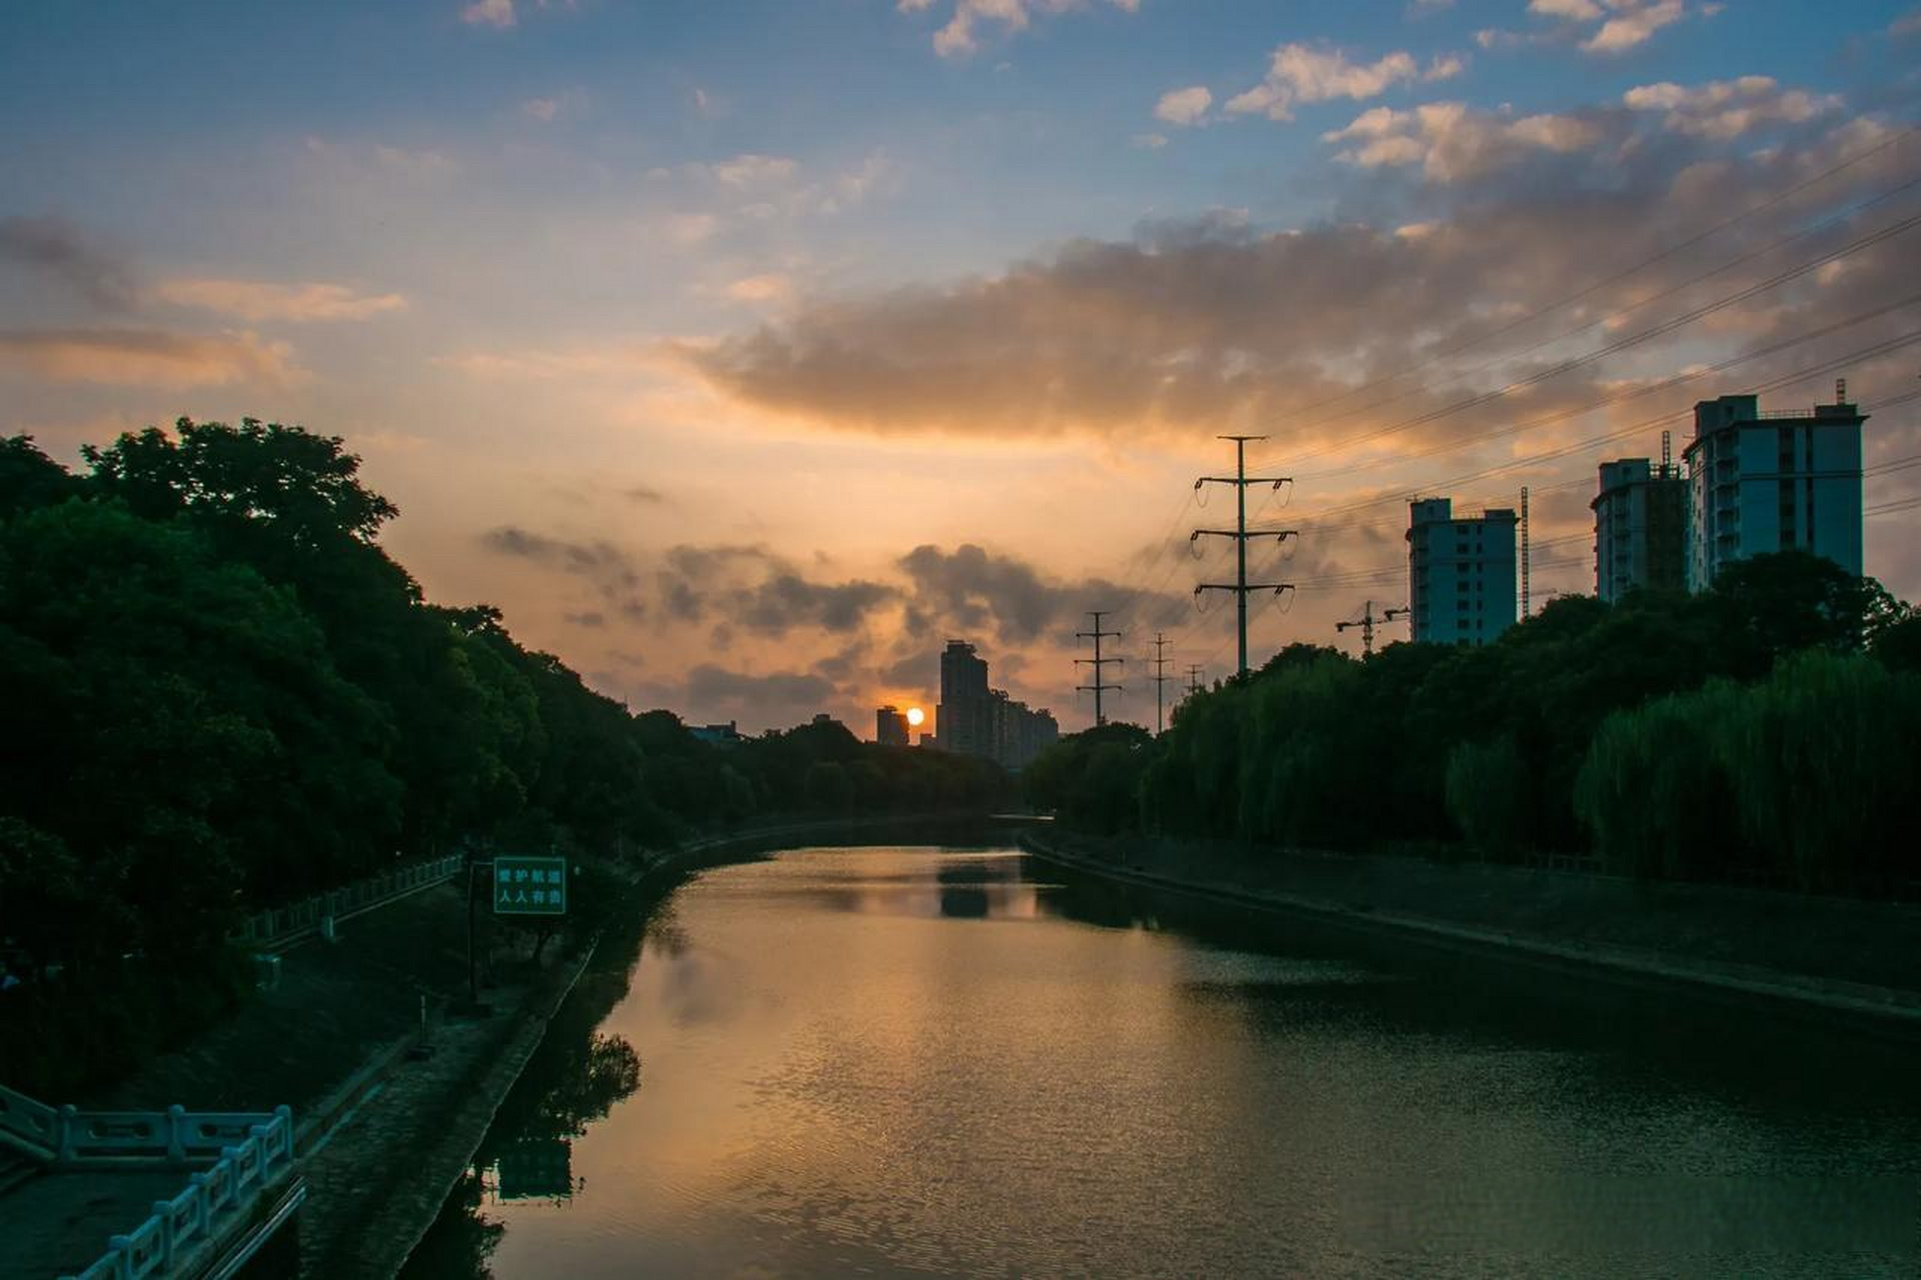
x,y
1641,304
1787,380
1635,339
1781,197
1632,393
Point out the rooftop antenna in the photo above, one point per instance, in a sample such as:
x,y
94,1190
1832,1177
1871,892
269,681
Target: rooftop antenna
x,y
1667,454
1840,390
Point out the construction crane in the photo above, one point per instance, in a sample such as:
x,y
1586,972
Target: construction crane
x,y
1368,621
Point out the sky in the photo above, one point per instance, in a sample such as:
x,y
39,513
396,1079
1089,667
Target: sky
x,y
744,353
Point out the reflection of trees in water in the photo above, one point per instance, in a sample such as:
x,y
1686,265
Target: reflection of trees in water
x,y
573,1079
664,931
461,1239
584,1090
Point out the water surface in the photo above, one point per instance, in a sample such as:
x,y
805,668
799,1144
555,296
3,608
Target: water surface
x,y
919,1061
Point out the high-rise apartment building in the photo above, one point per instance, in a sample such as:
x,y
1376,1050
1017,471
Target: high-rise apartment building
x,y
1772,481
961,718
973,720
890,727
1460,572
1640,528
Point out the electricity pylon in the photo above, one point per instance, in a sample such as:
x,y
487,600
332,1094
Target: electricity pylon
x,y
1099,664
1241,533
1160,678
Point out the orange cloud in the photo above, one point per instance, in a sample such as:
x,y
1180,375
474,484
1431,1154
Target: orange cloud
x,y
149,357
258,300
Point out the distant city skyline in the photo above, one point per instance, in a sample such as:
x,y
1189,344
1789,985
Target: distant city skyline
x,y
743,354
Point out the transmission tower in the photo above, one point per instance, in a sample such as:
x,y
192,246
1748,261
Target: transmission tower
x,y
1367,622
1099,664
1241,533
1160,678
1194,670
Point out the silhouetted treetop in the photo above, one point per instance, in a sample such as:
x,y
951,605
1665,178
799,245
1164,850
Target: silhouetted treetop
x,y
306,483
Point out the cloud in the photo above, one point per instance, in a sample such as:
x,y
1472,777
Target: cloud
x,y
1617,25
770,286
977,592
1150,141
498,14
1320,73
1726,109
1907,24
1572,10
781,695
1214,325
598,560
1418,9
760,592
643,493
258,300
689,228
960,35
419,165
1184,106
1634,26
60,249
539,366
753,170
541,109
1453,142
148,357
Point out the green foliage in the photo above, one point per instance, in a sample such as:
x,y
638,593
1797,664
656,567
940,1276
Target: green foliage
x,y
1487,789
1805,778
1092,780
1655,793
1586,726
218,692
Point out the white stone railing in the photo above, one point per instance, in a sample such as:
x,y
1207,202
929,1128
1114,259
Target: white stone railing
x,y
284,922
216,1196
67,1136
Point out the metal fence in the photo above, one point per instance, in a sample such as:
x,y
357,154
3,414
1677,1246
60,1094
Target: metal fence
x,y
281,924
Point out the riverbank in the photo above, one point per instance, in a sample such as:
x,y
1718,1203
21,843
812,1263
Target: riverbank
x,y
387,1167
1829,958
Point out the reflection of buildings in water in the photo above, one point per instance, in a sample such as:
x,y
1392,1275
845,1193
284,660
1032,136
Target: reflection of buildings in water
x,y
966,888
534,1169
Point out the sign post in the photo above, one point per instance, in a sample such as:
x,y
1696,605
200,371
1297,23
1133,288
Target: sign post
x,y
529,885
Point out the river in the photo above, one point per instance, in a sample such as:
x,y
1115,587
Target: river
x,y
936,1061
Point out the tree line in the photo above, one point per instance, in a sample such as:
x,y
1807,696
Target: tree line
x,y
1764,731
219,692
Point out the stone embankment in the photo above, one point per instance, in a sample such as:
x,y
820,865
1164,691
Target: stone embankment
x,y
1828,958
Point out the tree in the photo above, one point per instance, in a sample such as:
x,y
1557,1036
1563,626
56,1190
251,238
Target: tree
x,y
1787,601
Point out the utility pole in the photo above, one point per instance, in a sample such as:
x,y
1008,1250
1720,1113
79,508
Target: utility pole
x,y
1099,664
1240,533
1194,670
1367,622
1160,678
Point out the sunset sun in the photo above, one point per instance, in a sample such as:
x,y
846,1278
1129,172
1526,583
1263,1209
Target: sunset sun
x,y
915,716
